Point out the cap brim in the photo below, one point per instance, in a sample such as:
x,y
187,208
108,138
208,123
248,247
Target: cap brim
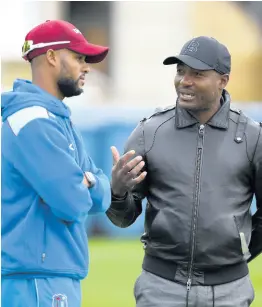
x,y
93,53
189,61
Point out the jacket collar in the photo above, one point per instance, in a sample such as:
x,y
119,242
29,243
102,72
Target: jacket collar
x,y
219,120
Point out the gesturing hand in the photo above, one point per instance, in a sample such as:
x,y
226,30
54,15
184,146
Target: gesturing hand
x,y
126,174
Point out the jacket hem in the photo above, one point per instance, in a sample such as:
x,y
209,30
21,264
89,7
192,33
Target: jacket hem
x,y
34,273
210,277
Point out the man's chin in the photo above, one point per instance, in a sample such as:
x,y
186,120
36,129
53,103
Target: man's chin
x,y
192,106
75,93
79,91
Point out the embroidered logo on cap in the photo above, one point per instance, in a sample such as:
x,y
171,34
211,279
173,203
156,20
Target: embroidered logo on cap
x,y
192,47
77,31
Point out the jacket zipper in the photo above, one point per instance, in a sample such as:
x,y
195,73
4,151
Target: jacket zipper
x,y
200,146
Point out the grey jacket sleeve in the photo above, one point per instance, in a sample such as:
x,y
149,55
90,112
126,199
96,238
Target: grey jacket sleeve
x,y
255,246
124,212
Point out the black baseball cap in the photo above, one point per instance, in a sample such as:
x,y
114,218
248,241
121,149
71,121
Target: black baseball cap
x,y
203,53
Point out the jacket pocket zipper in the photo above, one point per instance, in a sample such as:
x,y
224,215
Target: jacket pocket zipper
x,y
243,241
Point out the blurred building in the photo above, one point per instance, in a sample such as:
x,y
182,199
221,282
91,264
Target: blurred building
x,y
141,35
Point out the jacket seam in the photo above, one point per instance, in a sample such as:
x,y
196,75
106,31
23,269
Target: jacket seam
x,y
154,137
232,120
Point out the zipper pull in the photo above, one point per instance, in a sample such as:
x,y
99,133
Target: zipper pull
x,y
201,129
188,285
43,257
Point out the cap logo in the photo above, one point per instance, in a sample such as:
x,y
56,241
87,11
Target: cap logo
x,y
27,46
77,31
192,47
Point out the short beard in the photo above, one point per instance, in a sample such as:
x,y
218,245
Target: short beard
x,y
68,87
196,109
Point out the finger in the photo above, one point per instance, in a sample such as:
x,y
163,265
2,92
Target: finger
x,y
115,154
140,178
123,160
136,170
131,164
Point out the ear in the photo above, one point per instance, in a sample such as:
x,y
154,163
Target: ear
x,y
223,81
52,57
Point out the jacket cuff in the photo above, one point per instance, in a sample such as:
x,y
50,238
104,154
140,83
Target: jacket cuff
x,y
117,198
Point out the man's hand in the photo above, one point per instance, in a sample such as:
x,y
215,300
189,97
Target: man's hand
x,y
126,174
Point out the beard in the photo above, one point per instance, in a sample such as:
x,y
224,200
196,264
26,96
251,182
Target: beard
x,y
69,87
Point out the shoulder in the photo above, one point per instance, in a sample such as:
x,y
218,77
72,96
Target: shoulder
x,y
248,127
145,132
148,125
234,114
239,115
161,113
235,110
251,123
21,118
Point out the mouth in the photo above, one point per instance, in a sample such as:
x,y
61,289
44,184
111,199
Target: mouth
x,y
186,96
82,81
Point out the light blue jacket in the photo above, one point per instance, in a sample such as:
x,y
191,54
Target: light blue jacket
x,y
44,200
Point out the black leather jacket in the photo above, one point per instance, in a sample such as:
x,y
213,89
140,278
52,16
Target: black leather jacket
x,y
199,187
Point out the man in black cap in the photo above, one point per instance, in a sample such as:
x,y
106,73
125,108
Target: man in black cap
x,y
199,164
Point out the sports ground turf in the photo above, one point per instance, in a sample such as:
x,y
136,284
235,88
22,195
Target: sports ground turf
x,y
114,267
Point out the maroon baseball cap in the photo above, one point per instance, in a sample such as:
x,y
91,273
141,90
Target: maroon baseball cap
x,y
59,34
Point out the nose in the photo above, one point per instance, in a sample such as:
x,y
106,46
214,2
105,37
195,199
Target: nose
x,y
186,80
86,68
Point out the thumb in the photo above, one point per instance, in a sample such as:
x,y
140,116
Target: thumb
x,y
115,154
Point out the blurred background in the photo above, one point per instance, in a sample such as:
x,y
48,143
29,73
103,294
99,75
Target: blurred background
x,y
128,86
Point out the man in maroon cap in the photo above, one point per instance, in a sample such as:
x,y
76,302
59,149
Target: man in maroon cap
x,y
49,184
59,55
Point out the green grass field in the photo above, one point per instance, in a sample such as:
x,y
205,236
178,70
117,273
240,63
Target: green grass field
x,y
114,267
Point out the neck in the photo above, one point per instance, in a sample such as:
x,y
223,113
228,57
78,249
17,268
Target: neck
x,y
204,116
47,85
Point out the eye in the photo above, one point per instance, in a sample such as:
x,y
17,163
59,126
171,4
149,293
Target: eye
x,y
198,73
81,58
179,70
